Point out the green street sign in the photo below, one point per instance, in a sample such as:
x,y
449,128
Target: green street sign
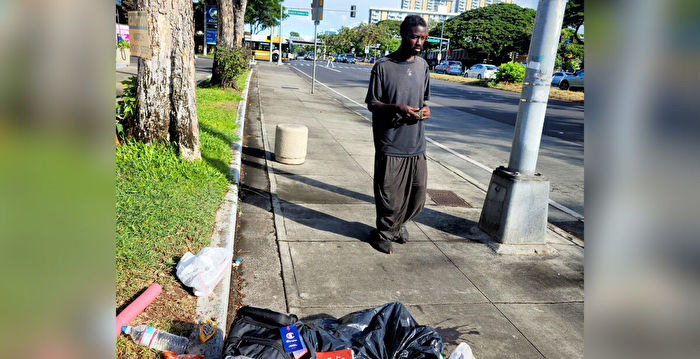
x,y
433,40
298,12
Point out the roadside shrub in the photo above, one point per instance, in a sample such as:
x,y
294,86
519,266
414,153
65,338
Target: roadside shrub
x,y
510,72
126,108
231,62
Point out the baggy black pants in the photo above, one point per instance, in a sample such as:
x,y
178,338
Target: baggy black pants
x,y
399,191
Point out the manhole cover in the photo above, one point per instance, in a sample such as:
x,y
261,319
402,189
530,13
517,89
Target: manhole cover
x,y
447,198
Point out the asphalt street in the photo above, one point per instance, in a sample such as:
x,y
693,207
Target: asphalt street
x,y
471,130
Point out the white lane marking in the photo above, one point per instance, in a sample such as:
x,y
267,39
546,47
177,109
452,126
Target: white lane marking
x,y
554,204
478,164
328,68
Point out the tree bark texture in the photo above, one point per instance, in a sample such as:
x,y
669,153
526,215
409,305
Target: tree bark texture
x,y
239,20
166,81
224,35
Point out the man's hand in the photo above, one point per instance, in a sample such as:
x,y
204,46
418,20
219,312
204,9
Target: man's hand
x,y
407,112
425,111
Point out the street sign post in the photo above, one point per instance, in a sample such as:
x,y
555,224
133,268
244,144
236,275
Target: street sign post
x,y
434,40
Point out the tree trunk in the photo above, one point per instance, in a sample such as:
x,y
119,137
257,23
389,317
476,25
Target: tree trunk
x,y
166,86
224,35
239,20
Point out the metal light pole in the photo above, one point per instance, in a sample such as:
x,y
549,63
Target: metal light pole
x,y
279,59
272,34
205,29
313,75
441,33
515,209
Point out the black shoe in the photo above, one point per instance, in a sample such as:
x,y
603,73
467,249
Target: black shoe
x,y
379,243
402,237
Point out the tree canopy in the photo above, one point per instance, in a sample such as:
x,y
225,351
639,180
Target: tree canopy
x,y
262,14
494,30
380,37
573,18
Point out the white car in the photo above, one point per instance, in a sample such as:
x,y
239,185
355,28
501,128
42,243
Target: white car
x,y
572,81
558,76
481,71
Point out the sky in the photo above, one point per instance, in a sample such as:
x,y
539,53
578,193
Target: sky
x,y
334,20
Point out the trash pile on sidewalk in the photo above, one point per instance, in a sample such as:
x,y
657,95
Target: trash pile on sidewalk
x,y
384,332
201,272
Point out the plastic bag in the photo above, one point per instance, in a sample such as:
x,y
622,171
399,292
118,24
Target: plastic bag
x,y
204,271
463,351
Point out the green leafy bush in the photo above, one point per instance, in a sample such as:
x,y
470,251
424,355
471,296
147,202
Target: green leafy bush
x,y
126,107
510,72
232,62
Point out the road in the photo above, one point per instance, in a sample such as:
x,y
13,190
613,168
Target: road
x,y
471,129
203,66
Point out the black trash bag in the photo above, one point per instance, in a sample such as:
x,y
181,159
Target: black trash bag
x,y
255,333
385,332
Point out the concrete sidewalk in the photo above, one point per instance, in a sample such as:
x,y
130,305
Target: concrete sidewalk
x,y
304,230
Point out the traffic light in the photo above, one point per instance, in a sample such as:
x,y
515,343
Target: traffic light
x,y
352,10
317,10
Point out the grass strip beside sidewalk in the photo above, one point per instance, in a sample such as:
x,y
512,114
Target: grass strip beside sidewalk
x,y
554,93
165,207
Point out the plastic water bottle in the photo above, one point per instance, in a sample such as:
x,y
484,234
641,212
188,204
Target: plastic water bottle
x,y
156,339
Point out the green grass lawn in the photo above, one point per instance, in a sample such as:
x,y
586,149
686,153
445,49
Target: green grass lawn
x,y
165,207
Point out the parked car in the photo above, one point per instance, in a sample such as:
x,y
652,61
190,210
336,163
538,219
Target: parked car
x,y
309,56
449,67
572,81
558,76
349,58
481,71
340,58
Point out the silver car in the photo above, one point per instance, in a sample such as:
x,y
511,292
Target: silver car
x,y
558,76
572,81
481,71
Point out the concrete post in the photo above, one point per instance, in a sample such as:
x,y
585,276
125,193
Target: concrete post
x,y
290,143
515,209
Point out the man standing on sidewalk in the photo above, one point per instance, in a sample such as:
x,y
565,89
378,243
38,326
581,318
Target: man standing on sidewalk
x,y
398,88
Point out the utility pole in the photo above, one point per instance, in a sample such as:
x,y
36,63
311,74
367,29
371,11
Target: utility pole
x,y
515,209
441,36
272,43
317,16
279,58
205,28
313,74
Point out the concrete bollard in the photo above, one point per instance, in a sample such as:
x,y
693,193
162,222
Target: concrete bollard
x,y
290,143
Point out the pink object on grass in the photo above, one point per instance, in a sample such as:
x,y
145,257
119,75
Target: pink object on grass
x,y
137,306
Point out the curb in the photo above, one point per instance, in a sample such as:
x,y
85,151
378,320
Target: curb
x,y
215,305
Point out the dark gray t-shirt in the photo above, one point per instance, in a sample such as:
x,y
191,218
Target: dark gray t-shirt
x,y
394,82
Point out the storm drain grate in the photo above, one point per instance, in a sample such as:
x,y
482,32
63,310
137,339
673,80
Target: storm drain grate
x,y
447,198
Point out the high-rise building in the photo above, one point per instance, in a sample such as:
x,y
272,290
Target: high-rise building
x,y
376,15
466,5
448,6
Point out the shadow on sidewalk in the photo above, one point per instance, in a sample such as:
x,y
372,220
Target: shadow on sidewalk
x,y
447,223
312,218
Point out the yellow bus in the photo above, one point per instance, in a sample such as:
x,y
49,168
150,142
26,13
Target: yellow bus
x,y
260,47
